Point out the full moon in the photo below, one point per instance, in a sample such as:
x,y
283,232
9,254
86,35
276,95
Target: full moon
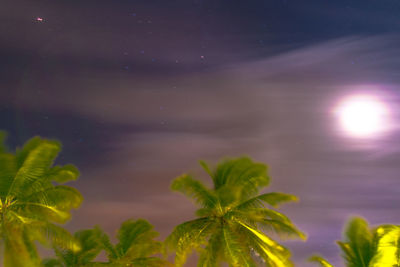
x,y
362,116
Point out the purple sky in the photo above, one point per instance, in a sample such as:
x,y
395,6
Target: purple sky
x,y
138,93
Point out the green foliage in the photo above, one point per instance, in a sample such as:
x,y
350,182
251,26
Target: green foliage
x,y
30,202
387,250
358,247
90,246
232,217
136,248
364,246
321,261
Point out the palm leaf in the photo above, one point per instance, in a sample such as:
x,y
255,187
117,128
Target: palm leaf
x,y
188,236
136,240
321,261
357,247
272,252
241,172
388,247
63,174
150,262
274,199
194,189
52,263
36,163
8,169
236,252
3,137
210,256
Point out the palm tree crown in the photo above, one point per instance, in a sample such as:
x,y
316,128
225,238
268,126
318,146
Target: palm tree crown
x,y
364,246
232,217
90,242
30,202
136,246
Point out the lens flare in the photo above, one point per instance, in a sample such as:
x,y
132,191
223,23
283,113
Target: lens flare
x,y
363,116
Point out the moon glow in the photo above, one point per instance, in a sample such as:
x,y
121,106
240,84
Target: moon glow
x,y
362,116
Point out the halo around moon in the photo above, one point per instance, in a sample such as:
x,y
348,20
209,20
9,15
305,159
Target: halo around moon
x,y
363,116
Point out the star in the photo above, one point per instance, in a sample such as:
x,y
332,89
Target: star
x,y
39,19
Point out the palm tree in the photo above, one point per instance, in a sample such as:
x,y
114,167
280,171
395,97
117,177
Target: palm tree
x,y
90,242
136,246
368,247
30,202
232,217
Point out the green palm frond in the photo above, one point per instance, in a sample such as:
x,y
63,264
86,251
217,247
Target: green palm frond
x,y
3,137
150,262
364,246
27,148
357,248
270,221
52,263
387,247
194,189
8,167
241,172
60,196
237,254
53,235
136,239
34,167
273,199
90,246
188,236
136,246
321,261
16,253
271,251
63,174
210,256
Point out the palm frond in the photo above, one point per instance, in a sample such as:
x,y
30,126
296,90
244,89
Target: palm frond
x,y
16,251
63,174
27,148
3,137
321,261
53,235
241,172
136,240
273,253
388,246
90,244
210,256
269,220
41,212
188,236
8,169
194,189
273,199
206,168
150,262
52,263
60,197
236,252
35,165
357,247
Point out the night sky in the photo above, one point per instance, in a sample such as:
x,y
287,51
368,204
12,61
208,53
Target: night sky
x,y
139,91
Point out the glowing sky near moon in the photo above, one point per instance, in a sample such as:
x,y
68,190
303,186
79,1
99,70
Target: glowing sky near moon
x,y
363,116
